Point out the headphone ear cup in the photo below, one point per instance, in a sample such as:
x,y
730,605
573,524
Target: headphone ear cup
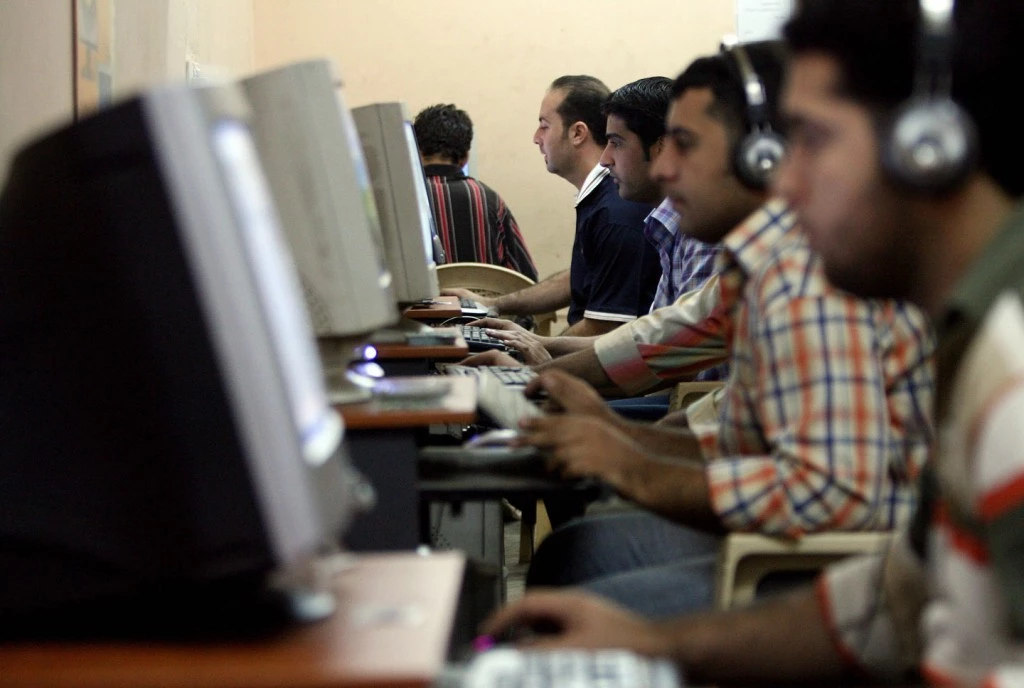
x,y
757,157
931,146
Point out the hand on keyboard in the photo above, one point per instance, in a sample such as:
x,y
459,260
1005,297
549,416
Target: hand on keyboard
x,y
530,345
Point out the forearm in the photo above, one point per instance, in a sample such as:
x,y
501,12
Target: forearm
x,y
665,440
586,366
563,345
677,490
549,295
775,643
588,327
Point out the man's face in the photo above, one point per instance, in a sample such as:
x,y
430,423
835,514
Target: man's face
x,y
832,178
694,170
551,136
627,163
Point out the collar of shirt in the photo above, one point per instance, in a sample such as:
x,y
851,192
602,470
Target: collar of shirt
x,y
441,170
994,271
661,226
750,244
590,183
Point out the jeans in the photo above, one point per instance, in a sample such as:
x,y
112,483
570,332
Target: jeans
x,y
634,558
650,408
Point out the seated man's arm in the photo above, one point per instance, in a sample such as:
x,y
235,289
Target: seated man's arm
x,y
670,345
744,647
544,297
861,618
590,327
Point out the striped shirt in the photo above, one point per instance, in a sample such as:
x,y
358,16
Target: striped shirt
x,y
474,223
947,599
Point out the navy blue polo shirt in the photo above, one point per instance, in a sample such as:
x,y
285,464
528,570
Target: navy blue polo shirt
x,y
615,270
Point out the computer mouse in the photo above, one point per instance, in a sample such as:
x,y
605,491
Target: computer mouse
x,y
500,437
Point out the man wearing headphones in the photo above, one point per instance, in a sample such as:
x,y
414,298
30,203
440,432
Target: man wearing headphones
x,y
899,201
825,419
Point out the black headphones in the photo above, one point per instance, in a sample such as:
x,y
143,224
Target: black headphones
x,y
759,154
931,145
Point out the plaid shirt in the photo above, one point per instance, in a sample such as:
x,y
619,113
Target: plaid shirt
x,y
826,419
686,263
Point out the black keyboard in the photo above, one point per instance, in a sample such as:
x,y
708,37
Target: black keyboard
x,y
471,304
510,668
478,340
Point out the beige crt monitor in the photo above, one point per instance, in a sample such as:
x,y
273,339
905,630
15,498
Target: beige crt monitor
x,y
401,193
314,163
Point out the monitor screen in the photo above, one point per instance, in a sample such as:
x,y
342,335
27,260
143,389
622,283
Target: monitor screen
x,y
399,187
175,463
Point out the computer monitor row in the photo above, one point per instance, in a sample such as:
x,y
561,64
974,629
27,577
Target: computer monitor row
x,y
169,449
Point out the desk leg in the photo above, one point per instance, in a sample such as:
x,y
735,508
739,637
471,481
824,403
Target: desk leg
x,y
388,459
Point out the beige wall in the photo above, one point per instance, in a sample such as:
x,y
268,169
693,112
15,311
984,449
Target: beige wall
x,y
35,70
495,60
152,40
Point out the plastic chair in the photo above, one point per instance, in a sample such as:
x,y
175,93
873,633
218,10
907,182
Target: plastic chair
x,y
490,280
746,558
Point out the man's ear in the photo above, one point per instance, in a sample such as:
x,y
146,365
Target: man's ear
x,y
655,149
579,132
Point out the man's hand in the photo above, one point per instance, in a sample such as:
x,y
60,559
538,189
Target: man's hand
x,y
577,620
500,324
572,395
491,358
586,447
484,301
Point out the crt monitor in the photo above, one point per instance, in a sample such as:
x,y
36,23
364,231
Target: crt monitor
x,y
170,461
402,203
314,163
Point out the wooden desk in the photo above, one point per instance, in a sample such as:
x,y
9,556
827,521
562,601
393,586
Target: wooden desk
x,y
392,628
443,308
405,359
381,437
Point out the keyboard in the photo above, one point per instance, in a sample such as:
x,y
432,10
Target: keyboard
x,y
511,668
478,340
512,376
505,405
467,304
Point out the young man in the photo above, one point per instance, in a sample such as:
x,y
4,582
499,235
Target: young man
x,y
946,600
614,271
474,223
776,459
635,131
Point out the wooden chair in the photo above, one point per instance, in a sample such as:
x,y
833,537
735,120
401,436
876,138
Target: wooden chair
x,y
490,280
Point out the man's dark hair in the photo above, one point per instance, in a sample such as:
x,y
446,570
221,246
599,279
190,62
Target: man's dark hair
x,y
583,97
443,130
722,75
874,43
642,106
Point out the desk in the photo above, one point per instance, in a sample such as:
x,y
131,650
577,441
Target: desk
x,y
392,629
382,443
444,308
404,359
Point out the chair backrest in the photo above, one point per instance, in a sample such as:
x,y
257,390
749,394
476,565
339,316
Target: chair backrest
x,y
490,280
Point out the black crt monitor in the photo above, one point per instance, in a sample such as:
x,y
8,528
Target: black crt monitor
x,y
407,223
170,463
314,163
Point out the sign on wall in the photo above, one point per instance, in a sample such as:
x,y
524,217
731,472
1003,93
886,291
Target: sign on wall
x,y
761,20
94,54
